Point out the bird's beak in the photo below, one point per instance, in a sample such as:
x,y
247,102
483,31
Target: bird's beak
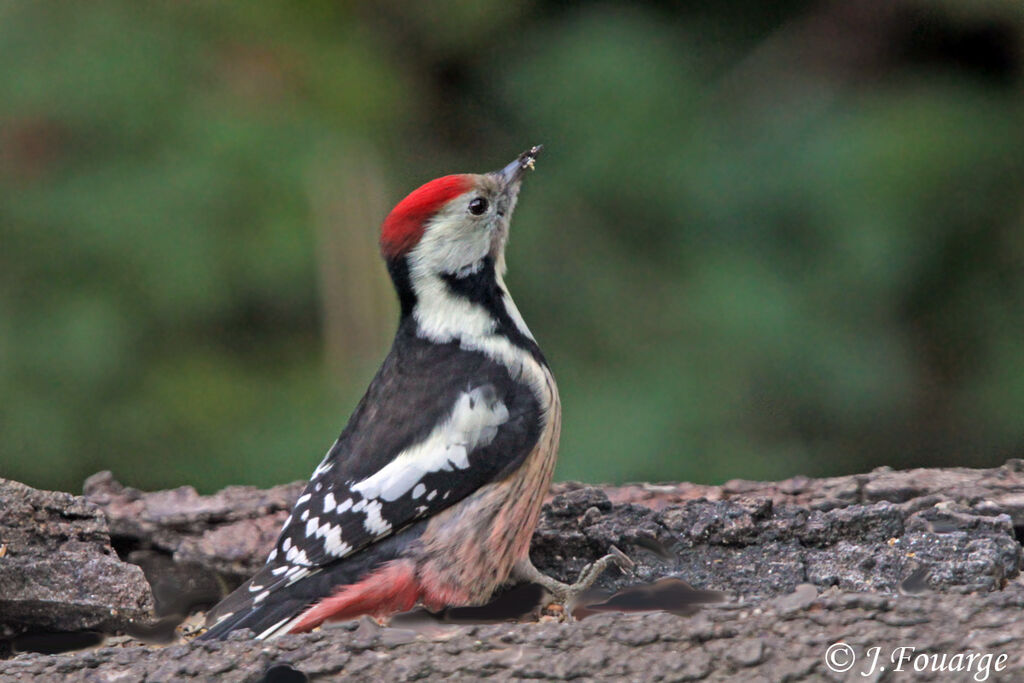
x,y
514,172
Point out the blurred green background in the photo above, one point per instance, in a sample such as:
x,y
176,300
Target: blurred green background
x,y
764,239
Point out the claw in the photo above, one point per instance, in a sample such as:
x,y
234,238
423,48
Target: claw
x,y
593,570
567,594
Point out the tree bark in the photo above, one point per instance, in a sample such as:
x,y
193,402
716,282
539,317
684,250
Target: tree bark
x,y
926,559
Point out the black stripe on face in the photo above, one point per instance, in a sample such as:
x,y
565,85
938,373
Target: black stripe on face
x,y
481,288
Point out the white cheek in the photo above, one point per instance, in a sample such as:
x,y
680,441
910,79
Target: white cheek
x,y
451,242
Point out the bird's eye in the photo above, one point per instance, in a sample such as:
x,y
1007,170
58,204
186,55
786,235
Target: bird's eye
x,y
478,206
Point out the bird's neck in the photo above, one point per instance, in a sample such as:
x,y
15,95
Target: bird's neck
x,y
471,306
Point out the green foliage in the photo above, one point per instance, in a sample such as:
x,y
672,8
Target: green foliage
x,y
745,253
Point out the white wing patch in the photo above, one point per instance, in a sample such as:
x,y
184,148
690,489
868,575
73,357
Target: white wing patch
x,y
331,533
474,423
297,557
333,543
374,523
476,416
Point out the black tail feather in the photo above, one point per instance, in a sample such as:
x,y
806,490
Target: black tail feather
x,y
257,620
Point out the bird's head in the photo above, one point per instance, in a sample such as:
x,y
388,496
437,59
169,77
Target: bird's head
x,y
451,225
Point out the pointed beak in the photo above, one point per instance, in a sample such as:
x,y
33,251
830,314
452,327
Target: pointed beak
x,y
514,172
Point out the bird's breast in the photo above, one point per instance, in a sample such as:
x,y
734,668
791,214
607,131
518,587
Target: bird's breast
x,y
470,549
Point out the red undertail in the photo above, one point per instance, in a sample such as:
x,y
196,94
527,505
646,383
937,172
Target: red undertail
x,y
390,589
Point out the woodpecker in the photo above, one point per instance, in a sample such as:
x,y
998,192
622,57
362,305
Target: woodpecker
x,y
432,492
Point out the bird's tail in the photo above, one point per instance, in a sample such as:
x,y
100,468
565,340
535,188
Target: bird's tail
x,y
300,607
264,617
267,621
376,581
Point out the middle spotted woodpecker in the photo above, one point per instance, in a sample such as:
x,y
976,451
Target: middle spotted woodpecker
x,y
431,494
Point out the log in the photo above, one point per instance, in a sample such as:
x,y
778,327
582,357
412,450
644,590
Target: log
x,y
927,559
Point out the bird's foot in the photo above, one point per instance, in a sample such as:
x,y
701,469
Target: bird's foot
x,y
568,594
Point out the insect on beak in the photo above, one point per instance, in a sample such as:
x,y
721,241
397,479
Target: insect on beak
x,y
515,171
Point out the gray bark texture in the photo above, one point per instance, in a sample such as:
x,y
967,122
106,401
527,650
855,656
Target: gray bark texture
x,y
927,559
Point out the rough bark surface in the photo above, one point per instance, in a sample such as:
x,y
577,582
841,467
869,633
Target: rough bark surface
x,y
928,559
57,568
230,532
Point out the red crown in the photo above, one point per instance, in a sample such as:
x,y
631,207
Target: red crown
x,y
404,226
